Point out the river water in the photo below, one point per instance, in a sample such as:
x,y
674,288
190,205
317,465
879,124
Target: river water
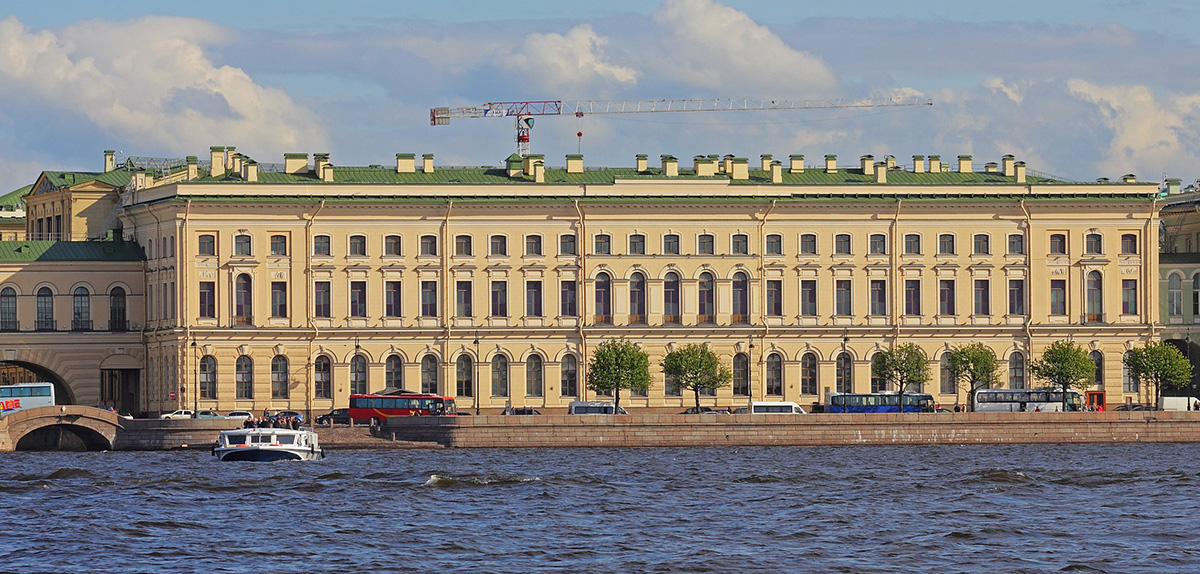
x,y
1012,508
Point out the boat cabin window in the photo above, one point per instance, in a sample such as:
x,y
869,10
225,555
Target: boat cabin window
x,y
236,439
260,439
287,439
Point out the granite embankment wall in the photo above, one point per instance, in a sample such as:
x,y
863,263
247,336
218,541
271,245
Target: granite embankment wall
x,y
150,434
794,430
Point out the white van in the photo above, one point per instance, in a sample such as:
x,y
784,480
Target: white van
x,y
1175,403
594,408
773,408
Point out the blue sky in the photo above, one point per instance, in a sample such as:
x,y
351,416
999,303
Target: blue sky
x,y
1079,89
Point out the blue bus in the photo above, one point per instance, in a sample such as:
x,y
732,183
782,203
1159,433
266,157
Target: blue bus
x,y
23,396
878,403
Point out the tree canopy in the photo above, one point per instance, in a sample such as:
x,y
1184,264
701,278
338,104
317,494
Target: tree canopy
x,y
618,364
1161,366
904,365
972,367
697,368
1064,365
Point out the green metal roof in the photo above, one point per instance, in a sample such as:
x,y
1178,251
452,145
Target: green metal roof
x,y
119,177
29,251
11,201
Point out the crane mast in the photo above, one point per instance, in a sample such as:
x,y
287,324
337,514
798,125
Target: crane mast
x,y
525,111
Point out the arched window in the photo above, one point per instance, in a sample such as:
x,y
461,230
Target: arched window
x,y
8,309
81,310
464,377
323,378
878,384
808,374
208,377
741,298
1196,295
243,377
948,386
603,299
671,298
774,374
1098,377
637,298
393,372
845,373
358,375
499,376
279,377
533,376
707,302
45,310
1095,297
570,376
243,300
1016,370
1128,383
1175,295
741,374
117,317
429,374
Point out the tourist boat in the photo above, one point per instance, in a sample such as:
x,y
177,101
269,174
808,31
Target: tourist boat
x,y
267,444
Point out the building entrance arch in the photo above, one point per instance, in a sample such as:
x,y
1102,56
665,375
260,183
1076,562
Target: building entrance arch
x,y
15,371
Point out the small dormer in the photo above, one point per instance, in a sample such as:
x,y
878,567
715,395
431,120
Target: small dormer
x,y
831,163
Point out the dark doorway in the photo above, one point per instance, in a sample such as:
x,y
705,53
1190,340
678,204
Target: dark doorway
x,y
119,389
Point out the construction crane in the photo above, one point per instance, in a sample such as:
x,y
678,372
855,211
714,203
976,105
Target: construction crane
x,y
524,112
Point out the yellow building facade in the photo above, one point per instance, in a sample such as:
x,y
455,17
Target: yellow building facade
x,y
292,286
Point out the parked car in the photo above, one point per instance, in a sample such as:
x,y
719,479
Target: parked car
x,y
289,414
521,411
179,414
242,415
1136,407
704,411
336,416
594,408
209,415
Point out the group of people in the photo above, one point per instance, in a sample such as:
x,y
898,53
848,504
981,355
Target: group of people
x,y
272,422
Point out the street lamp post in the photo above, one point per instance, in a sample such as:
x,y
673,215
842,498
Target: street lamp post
x,y
475,375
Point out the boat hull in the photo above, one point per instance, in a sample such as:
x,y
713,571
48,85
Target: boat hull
x,y
254,454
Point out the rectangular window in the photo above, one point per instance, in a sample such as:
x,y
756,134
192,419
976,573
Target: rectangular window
x,y
279,299
241,245
808,297
1058,296
1058,244
462,299
878,297
983,244
1016,244
983,297
842,297
429,297
1016,296
774,244
912,297
637,244
774,297
671,244
498,246
945,244
391,298
567,291
566,245
1129,244
208,299
358,246
808,244
912,244
321,245
462,245
358,298
1129,296
533,298
704,244
841,244
878,244
322,297
278,245
741,244
428,245
208,245
946,297
533,245
499,298
603,244
391,246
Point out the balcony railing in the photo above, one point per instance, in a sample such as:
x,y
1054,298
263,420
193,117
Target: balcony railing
x,y
9,325
672,319
706,319
81,324
243,321
1093,318
637,319
46,325
602,319
740,319
118,324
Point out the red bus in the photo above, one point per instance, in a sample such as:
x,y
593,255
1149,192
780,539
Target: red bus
x,y
377,408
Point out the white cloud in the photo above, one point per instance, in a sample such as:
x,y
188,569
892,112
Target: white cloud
x,y
707,45
149,81
1148,133
566,61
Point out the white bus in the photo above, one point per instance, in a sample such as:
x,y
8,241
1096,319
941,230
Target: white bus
x,y
1025,400
23,396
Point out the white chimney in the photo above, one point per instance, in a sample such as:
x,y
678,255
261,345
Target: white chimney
x,y
406,163
230,152
295,163
776,172
539,172
1006,165
640,160
110,160
670,166
881,172
193,167
574,163
739,168
252,170
217,155
935,164
964,164
327,172
796,163
766,161
868,164
1019,171
704,166
830,163
427,163
320,160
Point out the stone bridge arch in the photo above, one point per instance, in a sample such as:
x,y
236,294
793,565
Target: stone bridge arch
x,y
95,429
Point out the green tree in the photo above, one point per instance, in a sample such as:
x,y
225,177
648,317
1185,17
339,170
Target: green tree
x,y
1160,366
618,364
1064,365
697,368
904,365
972,367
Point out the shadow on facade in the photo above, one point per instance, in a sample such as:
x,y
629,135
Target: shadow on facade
x,y
1190,350
63,437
